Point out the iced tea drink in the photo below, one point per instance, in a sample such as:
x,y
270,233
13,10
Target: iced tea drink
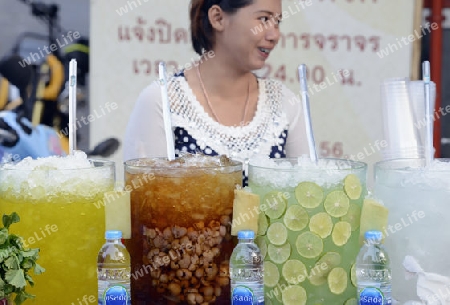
x,y
181,222
308,229
61,209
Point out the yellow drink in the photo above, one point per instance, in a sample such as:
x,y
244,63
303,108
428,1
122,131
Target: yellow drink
x,y
62,214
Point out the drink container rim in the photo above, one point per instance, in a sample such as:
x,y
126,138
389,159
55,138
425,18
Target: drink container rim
x,y
354,165
139,164
408,165
98,164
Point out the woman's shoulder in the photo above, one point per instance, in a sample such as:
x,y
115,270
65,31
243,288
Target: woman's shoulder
x,y
278,88
153,89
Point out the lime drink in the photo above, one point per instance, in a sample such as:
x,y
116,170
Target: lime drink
x,y
310,218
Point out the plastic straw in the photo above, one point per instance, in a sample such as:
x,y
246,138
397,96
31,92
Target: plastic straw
x,y
72,105
307,113
166,112
429,150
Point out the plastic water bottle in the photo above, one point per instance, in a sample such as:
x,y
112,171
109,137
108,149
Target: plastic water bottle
x,y
373,272
246,271
113,271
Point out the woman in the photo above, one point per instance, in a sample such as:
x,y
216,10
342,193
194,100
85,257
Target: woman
x,y
219,106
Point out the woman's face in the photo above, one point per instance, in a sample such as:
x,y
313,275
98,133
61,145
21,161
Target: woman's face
x,y
251,33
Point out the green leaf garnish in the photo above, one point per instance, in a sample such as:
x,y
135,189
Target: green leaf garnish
x,y
10,219
16,278
15,263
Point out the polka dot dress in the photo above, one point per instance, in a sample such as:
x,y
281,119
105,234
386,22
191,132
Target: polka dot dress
x,y
185,143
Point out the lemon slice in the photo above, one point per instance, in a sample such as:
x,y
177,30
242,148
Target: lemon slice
x,y
374,216
353,274
271,274
336,203
262,245
309,245
341,233
294,271
321,224
263,224
279,254
351,301
337,280
353,216
296,218
309,194
274,204
352,186
318,274
294,295
277,233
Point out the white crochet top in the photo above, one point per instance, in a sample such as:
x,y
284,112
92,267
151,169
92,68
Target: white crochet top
x,y
278,114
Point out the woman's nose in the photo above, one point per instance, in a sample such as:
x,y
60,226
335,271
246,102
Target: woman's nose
x,y
273,33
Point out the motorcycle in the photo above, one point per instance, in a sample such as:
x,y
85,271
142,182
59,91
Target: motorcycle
x,y
34,90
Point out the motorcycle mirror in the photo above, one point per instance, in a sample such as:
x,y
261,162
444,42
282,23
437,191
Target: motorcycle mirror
x,y
105,148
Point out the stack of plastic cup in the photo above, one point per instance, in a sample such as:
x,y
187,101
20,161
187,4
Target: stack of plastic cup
x,y
400,125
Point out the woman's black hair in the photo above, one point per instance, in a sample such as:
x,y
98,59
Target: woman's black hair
x,y
202,34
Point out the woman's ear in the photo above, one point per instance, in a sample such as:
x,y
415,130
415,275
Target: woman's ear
x,y
216,17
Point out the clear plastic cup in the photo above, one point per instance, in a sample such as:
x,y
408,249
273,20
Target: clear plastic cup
x,y
400,125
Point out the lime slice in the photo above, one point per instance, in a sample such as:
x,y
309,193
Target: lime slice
x,y
294,295
321,224
318,274
329,261
262,245
271,274
353,216
294,271
341,233
351,301
263,224
277,233
309,245
336,203
337,280
317,279
274,204
296,218
309,194
352,186
279,254
353,274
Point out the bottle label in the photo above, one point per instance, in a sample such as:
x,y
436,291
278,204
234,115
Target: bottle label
x,y
242,295
116,295
371,296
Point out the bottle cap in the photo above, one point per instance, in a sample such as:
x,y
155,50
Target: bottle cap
x,y
246,234
373,235
113,234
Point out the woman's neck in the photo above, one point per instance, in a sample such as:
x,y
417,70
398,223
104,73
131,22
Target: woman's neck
x,y
227,94
222,79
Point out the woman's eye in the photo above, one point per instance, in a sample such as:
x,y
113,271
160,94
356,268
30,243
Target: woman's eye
x,y
264,18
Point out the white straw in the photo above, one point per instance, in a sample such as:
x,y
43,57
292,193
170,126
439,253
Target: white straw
x,y
72,105
166,112
307,113
429,149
